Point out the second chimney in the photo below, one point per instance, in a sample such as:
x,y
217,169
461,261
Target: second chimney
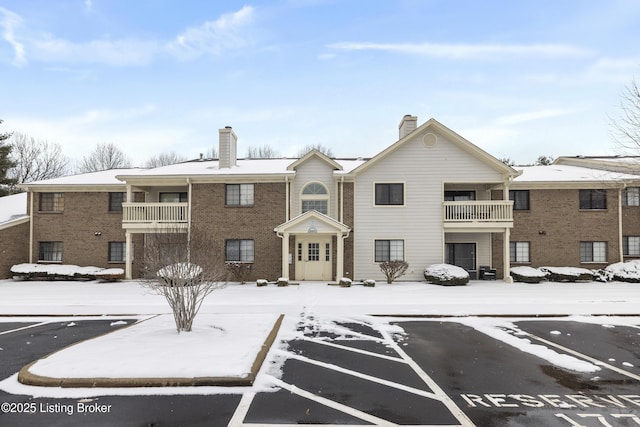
x,y
407,125
227,150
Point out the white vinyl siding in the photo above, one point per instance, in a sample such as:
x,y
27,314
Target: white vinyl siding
x,y
313,170
424,172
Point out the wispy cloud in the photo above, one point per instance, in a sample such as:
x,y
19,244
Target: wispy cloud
x,y
211,38
8,22
514,119
214,37
470,51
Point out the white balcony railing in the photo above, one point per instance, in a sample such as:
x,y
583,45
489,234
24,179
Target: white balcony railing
x,y
483,212
155,213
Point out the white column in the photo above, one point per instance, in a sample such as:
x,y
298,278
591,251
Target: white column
x,y
339,256
129,256
506,262
285,255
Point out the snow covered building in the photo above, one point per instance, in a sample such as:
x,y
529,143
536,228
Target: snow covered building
x,y
430,197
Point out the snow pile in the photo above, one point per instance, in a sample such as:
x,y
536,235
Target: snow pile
x,y
567,274
625,271
66,271
446,274
527,274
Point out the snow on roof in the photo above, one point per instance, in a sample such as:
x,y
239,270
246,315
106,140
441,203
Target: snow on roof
x,y
243,167
564,173
107,177
13,208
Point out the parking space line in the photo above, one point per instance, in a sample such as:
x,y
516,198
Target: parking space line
x,y
438,392
35,325
354,350
584,356
362,376
242,410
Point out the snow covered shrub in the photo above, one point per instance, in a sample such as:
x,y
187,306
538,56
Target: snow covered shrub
x,y
369,283
527,274
567,274
262,282
239,271
393,269
283,281
345,282
624,271
446,274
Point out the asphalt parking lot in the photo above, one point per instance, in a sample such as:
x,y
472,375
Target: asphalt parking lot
x,y
360,372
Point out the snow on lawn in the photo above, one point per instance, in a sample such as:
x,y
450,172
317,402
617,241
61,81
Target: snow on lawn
x,y
219,345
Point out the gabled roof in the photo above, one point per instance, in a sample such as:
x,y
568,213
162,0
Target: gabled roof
x,y
464,144
567,176
312,154
13,210
102,180
310,222
624,164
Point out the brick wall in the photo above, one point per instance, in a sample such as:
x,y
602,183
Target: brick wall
x,y
14,247
85,213
555,226
256,222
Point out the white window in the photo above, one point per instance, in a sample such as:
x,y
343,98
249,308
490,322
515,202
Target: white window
x,y
631,245
631,196
239,195
519,251
315,197
389,250
593,251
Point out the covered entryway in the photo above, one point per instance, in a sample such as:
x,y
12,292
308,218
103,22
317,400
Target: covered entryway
x,y
314,236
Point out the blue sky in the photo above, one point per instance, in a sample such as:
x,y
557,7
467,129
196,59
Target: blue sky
x,y
517,78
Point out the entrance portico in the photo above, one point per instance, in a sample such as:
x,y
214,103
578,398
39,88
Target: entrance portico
x,y
313,251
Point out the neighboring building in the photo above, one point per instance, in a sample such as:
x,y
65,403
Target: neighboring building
x,y
14,232
431,197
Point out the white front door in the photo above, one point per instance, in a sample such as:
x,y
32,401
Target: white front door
x,y
313,258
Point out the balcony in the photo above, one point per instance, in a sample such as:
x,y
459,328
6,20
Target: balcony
x,y
483,214
155,217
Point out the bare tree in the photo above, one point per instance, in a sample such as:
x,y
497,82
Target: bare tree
x,y
626,127
6,182
165,159
184,269
212,153
36,159
319,147
106,156
263,152
544,160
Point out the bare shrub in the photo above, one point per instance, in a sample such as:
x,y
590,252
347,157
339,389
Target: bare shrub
x,y
393,269
239,271
185,270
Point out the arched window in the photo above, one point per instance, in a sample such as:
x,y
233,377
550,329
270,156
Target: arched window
x,y
315,197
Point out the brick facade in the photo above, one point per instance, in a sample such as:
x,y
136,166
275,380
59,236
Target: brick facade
x,y
220,222
85,227
14,247
555,225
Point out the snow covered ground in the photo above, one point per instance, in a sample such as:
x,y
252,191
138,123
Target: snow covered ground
x,y
247,305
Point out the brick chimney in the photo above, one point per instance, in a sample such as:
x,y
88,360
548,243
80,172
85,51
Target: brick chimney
x,y
227,150
407,125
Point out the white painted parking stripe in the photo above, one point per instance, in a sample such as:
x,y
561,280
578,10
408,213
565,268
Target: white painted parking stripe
x,y
242,410
439,393
35,325
584,356
362,376
354,350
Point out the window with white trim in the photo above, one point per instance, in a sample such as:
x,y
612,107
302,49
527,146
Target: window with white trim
x,y
631,245
51,202
593,199
389,194
631,196
239,194
50,251
238,250
593,251
117,252
519,252
116,200
314,197
389,250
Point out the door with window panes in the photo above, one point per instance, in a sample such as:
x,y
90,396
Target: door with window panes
x,y
313,258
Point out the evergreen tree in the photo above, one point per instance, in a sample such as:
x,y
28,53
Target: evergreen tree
x,y
5,164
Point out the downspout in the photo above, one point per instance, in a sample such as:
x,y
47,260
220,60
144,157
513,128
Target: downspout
x,y
342,199
31,229
620,237
287,201
189,198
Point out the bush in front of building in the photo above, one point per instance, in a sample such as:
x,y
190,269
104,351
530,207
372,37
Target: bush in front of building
x,y
526,274
393,269
239,271
567,274
282,281
345,282
446,275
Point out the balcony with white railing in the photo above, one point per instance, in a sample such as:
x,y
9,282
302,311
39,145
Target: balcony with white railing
x,y
155,216
478,214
